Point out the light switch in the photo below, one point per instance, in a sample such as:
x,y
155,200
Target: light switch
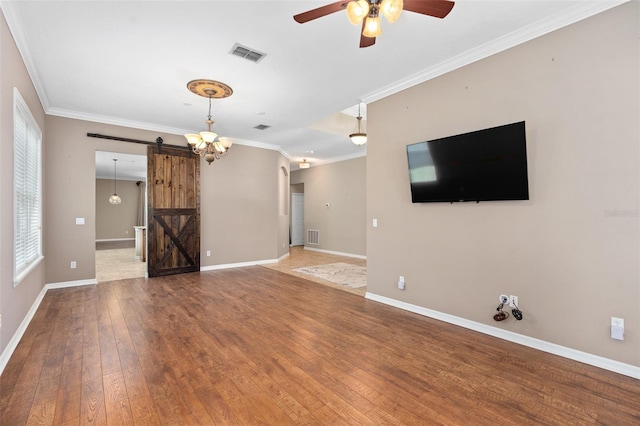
x,y
79,220
375,223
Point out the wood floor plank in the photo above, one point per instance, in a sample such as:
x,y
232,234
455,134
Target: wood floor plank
x,y
23,370
69,393
42,410
253,345
92,409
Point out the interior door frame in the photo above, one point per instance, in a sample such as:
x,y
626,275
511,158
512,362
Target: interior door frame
x,y
294,212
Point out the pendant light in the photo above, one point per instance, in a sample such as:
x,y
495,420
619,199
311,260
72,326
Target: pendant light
x,y
304,164
359,137
115,198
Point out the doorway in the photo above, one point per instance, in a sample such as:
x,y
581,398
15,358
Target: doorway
x,y
116,255
297,219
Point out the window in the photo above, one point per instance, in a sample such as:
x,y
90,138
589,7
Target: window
x,y
27,190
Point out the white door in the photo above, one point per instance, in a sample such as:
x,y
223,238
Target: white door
x,y
297,219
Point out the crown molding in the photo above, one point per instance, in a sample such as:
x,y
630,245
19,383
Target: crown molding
x,y
65,113
19,38
294,165
522,35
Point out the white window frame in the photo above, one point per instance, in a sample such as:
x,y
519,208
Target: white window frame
x,y
33,137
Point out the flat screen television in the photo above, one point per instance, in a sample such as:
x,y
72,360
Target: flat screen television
x,y
485,165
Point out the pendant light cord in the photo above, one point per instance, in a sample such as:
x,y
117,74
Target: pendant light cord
x,y
115,174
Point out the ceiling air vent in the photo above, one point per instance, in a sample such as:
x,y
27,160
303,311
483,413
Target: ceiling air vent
x,y
261,127
247,53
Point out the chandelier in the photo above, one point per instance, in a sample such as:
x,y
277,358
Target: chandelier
x,y
358,137
115,198
204,143
369,11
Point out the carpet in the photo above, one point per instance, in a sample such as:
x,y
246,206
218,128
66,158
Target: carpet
x,y
353,276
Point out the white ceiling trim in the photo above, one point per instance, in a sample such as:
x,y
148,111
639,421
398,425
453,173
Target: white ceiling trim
x,y
150,127
313,163
19,38
58,112
522,35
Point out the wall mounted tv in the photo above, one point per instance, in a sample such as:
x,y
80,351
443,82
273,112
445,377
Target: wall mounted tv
x,y
485,165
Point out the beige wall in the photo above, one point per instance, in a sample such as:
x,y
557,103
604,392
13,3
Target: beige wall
x,y
298,188
240,207
239,216
116,222
571,252
70,183
14,302
342,225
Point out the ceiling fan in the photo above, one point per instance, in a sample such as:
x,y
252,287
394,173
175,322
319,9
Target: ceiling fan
x,y
367,13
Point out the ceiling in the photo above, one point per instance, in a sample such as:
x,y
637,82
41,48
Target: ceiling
x,y
128,63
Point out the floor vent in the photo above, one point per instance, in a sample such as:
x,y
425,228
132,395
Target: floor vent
x,y
247,53
261,127
313,237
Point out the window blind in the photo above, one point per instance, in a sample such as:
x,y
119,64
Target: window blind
x,y
27,171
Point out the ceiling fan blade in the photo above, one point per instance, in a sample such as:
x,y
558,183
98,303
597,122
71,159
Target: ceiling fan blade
x,y
435,8
364,40
321,11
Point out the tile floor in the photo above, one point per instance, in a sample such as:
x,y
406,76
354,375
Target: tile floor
x,y
117,261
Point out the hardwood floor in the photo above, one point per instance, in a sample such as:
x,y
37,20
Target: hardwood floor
x,y
257,346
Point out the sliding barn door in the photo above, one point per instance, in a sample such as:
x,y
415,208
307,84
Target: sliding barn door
x,y
173,223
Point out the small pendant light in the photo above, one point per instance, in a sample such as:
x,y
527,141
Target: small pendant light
x,y
359,137
115,198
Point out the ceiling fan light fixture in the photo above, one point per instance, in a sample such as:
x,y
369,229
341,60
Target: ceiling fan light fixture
x,y
372,26
391,9
357,10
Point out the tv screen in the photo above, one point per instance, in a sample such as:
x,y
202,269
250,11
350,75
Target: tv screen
x,y
485,165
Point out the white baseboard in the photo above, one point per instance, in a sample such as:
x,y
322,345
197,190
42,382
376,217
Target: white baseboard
x,y
584,357
17,336
338,253
283,257
115,239
13,343
237,265
66,284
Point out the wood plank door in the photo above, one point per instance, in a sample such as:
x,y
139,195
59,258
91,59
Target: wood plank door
x,y
173,222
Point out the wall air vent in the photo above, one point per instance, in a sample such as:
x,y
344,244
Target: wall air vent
x,y
313,237
247,53
261,127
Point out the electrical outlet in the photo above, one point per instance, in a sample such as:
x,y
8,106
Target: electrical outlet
x,y
208,253
617,328
503,298
617,322
401,283
513,301
72,265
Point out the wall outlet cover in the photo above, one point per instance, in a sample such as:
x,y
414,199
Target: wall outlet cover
x,y
617,333
618,322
